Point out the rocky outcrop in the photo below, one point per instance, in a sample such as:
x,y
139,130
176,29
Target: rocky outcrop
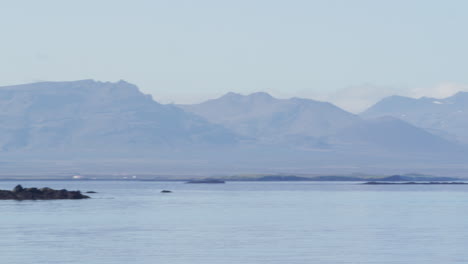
x,y
20,193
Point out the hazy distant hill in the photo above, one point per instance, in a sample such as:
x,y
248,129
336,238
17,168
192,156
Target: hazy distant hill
x,y
260,116
96,116
445,117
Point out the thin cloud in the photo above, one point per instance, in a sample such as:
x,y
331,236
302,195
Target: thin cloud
x,y
442,90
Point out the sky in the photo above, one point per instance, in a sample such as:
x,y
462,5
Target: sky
x,y
350,52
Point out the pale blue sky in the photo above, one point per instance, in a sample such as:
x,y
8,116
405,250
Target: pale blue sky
x,y
185,51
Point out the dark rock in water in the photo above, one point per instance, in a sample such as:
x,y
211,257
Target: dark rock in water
x,y
18,189
166,191
206,181
20,193
91,192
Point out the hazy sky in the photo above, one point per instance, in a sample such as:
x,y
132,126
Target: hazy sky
x,y
351,52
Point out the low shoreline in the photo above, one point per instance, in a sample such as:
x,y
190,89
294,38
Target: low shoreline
x,y
415,183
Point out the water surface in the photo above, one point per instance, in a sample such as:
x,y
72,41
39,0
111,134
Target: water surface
x,y
238,222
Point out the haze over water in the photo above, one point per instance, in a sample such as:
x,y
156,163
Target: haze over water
x,y
242,222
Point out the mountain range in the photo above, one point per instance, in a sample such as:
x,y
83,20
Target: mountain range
x,y
116,123
308,123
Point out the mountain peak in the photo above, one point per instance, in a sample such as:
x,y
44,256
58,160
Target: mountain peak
x,y
78,84
389,105
260,95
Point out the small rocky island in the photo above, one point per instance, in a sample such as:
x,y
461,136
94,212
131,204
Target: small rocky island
x,y
20,193
411,183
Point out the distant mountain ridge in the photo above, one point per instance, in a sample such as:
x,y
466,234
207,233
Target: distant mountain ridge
x,y
445,117
113,126
310,123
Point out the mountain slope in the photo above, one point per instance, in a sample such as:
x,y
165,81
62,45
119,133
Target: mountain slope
x,y
388,134
444,117
96,116
263,117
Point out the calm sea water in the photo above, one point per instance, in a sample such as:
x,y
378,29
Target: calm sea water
x,y
132,222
